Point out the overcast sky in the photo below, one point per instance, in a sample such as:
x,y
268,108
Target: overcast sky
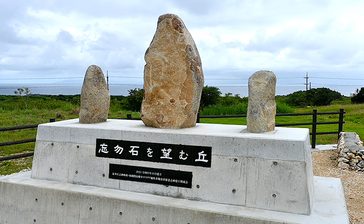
x,y
50,41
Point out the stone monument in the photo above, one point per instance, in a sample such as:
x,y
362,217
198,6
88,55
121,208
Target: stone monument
x,y
173,77
95,97
123,172
261,105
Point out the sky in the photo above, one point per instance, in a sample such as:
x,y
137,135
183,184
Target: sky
x,y
50,42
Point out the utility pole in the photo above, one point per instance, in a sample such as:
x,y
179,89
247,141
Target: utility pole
x,y
107,79
306,83
310,86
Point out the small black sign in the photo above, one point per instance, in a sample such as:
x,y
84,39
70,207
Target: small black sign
x,y
151,175
154,152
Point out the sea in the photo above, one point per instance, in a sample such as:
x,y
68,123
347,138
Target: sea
x,y
123,89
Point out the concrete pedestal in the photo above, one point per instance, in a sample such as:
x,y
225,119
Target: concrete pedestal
x,y
27,200
243,177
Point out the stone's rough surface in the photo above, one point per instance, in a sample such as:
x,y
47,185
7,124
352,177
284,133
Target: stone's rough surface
x,y
95,98
262,105
350,151
173,77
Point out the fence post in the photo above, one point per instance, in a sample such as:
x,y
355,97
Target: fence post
x,y
341,122
314,128
128,116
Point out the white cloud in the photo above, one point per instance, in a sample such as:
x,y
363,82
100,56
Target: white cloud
x,y
63,37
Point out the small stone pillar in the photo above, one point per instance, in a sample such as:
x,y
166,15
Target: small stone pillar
x,y
95,97
173,77
262,104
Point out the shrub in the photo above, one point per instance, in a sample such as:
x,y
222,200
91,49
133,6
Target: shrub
x,y
313,97
134,99
322,96
358,97
284,108
210,96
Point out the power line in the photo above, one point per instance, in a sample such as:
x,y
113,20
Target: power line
x,y
314,77
321,84
37,78
134,84
122,76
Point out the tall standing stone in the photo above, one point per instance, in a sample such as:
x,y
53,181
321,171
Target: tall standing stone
x,y
173,77
262,104
95,98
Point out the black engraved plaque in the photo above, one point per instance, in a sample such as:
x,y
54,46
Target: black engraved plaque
x,y
151,175
154,152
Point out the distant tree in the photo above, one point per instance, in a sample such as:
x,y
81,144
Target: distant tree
x,y
359,96
24,92
313,97
134,99
210,96
298,98
322,96
229,99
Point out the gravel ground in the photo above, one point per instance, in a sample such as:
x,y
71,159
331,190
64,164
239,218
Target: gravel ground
x,y
325,164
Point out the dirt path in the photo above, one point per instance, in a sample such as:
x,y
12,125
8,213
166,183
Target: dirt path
x,y
324,164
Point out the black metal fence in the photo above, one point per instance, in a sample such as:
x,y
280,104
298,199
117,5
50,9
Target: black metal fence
x,y
340,124
23,141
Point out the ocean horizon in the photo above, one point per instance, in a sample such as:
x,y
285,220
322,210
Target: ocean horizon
x,y
123,89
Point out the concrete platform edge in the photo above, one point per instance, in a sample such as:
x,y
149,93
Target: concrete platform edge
x,y
23,200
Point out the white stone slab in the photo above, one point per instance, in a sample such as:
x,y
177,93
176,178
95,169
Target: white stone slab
x,y
26,200
242,171
263,145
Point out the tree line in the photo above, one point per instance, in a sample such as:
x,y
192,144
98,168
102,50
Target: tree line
x,y
212,95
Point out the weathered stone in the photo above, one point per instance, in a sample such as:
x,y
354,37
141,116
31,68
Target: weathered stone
x,y
95,98
173,77
345,149
343,165
355,148
361,164
354,161
343,160
261,104
351,155
344,155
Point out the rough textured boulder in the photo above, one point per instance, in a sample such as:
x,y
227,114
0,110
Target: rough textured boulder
x,y
350,151
262,104
95,98
173,77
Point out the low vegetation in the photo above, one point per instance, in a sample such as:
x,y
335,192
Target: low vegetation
x,y
34,109
358,96
313,97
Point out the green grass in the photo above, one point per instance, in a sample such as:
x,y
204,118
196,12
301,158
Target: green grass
x,y
39,109
354,119
240,108
16,165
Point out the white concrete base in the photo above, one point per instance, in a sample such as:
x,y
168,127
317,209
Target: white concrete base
x,y
271,171
27,200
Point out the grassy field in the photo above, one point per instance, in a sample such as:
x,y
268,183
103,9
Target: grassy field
x,y
354,120
39,109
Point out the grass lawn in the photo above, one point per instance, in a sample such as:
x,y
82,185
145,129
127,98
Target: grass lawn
x,y
354,120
